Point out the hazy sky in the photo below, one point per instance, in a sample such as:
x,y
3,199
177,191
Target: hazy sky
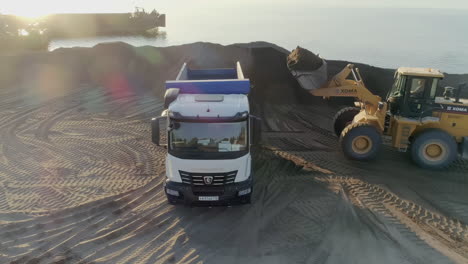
x,y
40,7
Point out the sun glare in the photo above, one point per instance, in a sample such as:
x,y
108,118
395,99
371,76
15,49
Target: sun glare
x,y
35,9
13,8
27,11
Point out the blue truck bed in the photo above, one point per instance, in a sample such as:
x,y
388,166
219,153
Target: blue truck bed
x,y
210,81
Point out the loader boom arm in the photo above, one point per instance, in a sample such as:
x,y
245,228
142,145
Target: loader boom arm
x,y
340,86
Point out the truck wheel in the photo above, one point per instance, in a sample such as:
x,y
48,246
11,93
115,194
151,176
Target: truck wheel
x,y
360,141
247,199
154,131
171,200
434,149
343,118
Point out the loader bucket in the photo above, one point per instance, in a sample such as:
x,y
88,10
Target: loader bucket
x,y
309,69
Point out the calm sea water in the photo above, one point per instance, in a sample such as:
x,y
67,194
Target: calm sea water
x,y
382,37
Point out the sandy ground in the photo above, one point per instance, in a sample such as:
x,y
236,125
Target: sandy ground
x,y
80,182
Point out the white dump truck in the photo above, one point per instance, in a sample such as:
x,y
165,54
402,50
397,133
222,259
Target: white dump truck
x,y
210,134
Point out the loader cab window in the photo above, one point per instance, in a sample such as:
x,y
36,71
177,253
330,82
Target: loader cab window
x,y
423,87
435,84
420,94
418,87
395,95
398,85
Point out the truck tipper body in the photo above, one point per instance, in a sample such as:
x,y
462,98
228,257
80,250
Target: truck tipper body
x,y
210,133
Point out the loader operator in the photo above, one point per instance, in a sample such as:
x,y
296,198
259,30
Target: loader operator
x,y
418,91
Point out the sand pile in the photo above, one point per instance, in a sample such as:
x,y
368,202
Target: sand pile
x,y
272,81
147,68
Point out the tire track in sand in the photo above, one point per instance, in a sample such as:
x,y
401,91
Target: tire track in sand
x,y
409,207
68,151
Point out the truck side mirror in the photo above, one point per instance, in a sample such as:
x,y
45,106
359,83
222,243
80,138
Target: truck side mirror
x,y
256,124
155,129
170,96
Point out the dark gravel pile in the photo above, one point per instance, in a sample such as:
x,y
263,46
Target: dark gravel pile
x,y
271,79
147,68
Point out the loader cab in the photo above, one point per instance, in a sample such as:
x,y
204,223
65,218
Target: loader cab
x,y
413,92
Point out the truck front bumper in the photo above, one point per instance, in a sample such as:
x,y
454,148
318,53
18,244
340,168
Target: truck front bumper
x,y
238,192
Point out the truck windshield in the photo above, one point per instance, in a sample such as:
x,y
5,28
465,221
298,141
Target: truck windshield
x,y
209,137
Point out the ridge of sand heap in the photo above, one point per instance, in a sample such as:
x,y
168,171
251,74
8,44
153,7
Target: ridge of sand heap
x,y
148,67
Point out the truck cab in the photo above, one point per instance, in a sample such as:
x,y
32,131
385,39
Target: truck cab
x,y
210,133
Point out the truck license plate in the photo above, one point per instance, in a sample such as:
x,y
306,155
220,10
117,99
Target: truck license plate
x,y
208,198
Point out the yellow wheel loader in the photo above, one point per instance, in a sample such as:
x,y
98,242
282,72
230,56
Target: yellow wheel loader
x,y
434,129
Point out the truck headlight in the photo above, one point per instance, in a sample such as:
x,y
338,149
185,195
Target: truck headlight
x,y
245,192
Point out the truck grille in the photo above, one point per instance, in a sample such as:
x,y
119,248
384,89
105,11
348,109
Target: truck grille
x,y
222,178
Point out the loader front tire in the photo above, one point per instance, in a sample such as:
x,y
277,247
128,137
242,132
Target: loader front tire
x,y
343,118
360,141
434,149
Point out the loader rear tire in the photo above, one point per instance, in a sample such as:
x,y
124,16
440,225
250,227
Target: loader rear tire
x,y
434,149
360,141
343,118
